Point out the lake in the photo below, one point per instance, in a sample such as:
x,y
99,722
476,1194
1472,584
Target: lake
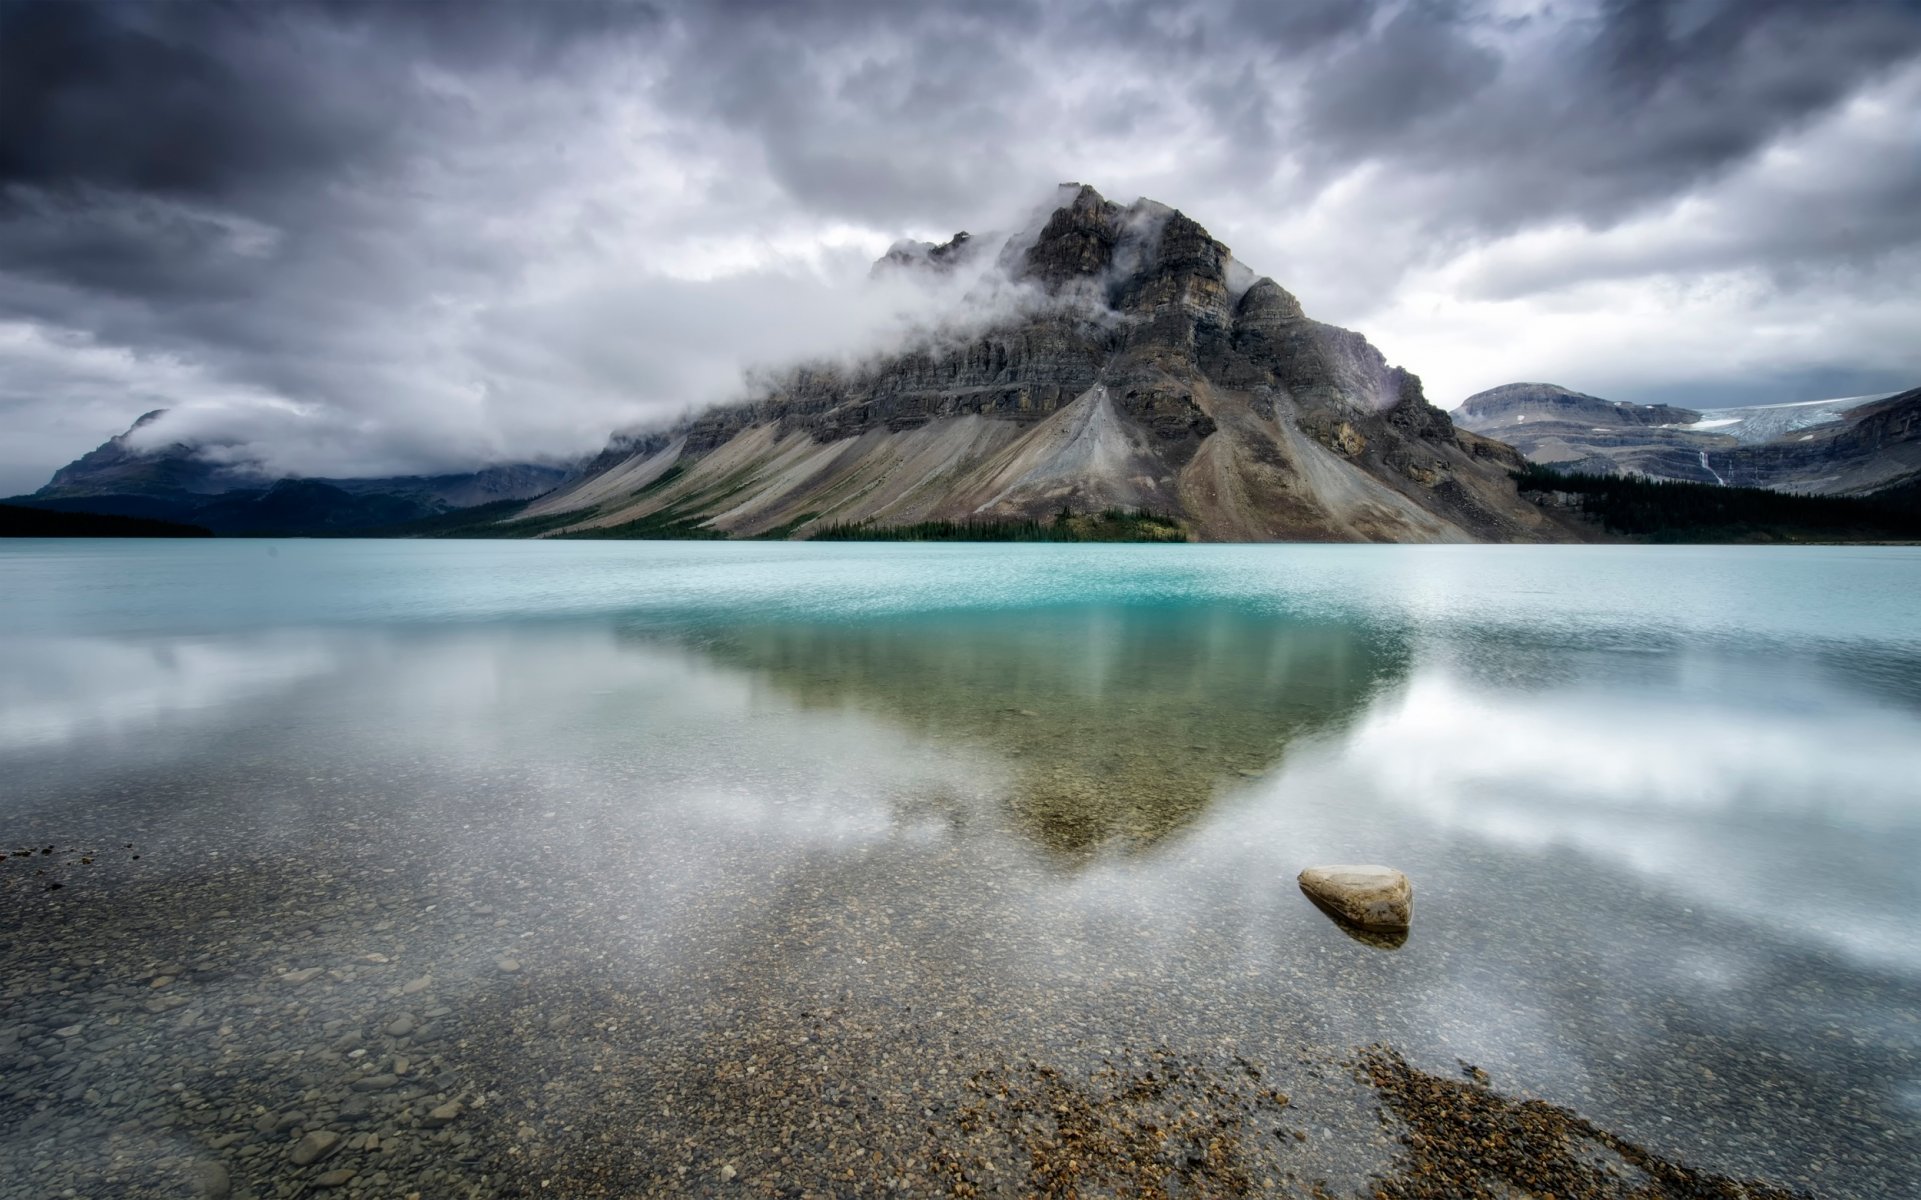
x,y
603,868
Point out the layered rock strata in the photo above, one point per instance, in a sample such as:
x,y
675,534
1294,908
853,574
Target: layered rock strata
x,y
1143,367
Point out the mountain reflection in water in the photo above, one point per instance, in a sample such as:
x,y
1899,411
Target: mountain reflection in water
x,y
1117,725
744,857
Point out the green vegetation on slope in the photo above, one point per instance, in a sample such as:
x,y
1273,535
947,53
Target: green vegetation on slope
x,y
1670,511
1903,497
676,522
673,472
1113,525
489,520
672,523
785,529
458,522
529,526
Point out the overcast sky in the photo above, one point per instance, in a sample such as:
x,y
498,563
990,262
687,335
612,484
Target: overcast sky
x,y
369,238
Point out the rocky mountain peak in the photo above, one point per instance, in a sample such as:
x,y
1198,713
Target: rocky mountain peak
x,y
1140,259
939,257
1077,242
1152,372
1548,401
117,467
1137,258
1177,263
1267,302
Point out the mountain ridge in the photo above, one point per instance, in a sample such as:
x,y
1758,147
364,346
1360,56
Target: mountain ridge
x,y
1852,446
177,482
1145,369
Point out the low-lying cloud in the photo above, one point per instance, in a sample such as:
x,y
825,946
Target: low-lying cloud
x,y
351,238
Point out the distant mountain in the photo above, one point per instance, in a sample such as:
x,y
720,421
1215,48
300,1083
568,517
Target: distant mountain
x,y
1855,446
1138,367
1518,402
178,482
117,468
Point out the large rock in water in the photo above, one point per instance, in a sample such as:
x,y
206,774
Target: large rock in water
x,y
1372,897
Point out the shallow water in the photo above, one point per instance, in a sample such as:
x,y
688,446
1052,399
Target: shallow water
x,y
729,866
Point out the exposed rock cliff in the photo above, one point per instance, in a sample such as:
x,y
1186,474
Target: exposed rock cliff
x,y
1515,402
1144,368
1872,446
1551,424
928,256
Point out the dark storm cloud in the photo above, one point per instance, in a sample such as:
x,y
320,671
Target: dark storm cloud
x,y
214,96
434,232
1297,28
1421,65
891,111
1635,105
109,109
186,100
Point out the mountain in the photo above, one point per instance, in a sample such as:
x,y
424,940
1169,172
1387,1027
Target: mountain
x,y
117,468
1134,365
178,482
1856,446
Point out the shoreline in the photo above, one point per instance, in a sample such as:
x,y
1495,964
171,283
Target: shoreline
x,y
447,873
245,1030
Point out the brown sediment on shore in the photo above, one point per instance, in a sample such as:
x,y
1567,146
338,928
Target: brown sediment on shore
x,y
466,998
267,1033
1160,1126
394,1021
1149,1125
1465,1141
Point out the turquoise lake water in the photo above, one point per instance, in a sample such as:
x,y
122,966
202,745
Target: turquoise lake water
x,y
1661,807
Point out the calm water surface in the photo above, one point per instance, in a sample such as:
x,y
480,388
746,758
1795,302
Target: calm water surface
x,y
707,867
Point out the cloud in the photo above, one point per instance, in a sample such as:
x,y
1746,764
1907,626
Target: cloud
x,y
371,237
1788,278
1420,69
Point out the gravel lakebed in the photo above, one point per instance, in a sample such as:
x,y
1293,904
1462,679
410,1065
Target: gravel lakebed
x,y
993,907
368,1018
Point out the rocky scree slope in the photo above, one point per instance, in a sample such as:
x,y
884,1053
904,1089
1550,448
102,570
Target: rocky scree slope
x,y
1142,368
